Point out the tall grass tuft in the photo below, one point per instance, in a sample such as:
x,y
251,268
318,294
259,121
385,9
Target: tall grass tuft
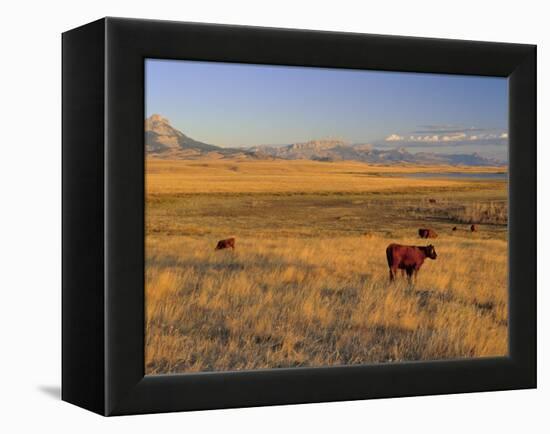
x,y
483,213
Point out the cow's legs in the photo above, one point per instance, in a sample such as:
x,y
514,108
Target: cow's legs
x,y
410,272
392,274
415,272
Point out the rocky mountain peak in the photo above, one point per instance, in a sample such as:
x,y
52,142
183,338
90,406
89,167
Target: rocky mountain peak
x,y
318,145
160,125
157,118
163,140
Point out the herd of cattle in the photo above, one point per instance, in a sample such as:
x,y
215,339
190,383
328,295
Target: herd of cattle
x,y
408,259
430,233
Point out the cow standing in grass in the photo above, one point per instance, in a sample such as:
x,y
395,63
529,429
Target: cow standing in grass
x,y
473,228
226,244
408,259
427,233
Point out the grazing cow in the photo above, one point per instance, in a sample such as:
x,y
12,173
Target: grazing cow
x,y
432,200
427,233
408,258
226,244
473,228
454,229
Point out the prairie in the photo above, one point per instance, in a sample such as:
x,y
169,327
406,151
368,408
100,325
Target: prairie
x,y
307,284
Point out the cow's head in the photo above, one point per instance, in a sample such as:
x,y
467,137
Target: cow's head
x,y
430,252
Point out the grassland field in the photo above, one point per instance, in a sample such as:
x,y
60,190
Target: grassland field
x,y
307,284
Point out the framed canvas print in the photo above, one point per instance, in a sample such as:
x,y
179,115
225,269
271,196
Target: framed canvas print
x,y
263,216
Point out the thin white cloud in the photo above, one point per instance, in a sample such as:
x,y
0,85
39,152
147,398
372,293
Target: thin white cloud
x,y
394,138
460,137
446,129
447,136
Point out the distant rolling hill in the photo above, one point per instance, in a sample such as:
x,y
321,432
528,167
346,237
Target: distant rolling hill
x,y
162,140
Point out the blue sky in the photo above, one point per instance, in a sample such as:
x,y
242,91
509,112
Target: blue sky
x,y
229,104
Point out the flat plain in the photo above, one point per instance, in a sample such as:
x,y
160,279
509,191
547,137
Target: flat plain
x,y
307,284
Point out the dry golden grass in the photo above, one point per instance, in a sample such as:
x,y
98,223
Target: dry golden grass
x,y
308,282
491,212
280,176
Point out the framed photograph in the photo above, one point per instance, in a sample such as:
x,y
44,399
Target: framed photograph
x,y
257,216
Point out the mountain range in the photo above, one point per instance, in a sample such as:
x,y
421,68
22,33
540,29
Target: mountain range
x,y
162,140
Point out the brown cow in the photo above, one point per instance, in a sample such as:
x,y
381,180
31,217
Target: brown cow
x,y
226,244
427,233
432,200
455,228
473,228
408,258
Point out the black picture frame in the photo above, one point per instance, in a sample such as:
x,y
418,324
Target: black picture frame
x,y
103,216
